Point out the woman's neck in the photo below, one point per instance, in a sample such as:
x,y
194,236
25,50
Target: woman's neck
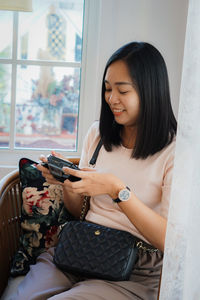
x,y
128,137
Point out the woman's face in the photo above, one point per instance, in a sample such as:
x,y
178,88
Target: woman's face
x,y
121,95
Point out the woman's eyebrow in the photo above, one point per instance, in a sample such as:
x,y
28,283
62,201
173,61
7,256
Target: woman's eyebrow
x,y
119,82
123,82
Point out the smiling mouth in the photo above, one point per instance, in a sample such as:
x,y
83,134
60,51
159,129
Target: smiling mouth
x,y
118,112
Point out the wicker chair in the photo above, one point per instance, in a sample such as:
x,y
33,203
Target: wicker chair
x,y
10,211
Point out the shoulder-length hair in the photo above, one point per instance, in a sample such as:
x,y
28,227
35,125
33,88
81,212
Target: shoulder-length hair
x,y
157,125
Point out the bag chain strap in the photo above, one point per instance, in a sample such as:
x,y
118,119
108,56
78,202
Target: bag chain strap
x,y
92,164
144,248
82,215
84,207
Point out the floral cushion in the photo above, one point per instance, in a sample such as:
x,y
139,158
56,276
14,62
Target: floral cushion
x,y
42,213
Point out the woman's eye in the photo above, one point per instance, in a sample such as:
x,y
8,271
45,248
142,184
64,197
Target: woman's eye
x,y
107,90
123,92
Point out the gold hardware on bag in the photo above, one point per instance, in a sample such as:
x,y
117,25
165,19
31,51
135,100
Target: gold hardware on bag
x,y
97,232
140,246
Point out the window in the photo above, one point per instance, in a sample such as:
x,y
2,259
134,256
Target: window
x,y
41,70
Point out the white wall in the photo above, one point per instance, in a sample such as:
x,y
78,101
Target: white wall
x,y
160,22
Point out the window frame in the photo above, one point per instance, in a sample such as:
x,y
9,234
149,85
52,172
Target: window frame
x,y
88,71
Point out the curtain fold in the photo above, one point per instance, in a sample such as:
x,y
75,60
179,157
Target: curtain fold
x,y
181,266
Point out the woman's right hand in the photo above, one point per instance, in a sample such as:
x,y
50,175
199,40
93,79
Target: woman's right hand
x,y
45,171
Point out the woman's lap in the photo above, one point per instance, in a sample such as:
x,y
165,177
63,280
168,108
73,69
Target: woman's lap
x,y
94,290
45,281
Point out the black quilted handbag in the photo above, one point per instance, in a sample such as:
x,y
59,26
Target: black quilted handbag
x,y
96,251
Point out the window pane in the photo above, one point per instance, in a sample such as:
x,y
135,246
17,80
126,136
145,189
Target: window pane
x,y
47,104
5,96
53,31
6,34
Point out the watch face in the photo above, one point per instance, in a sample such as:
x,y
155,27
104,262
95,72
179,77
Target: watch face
x,y
124,195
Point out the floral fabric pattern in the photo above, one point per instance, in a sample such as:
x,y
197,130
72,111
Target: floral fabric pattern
x,y
42,213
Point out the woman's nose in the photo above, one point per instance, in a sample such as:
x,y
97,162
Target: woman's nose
x,y
113,98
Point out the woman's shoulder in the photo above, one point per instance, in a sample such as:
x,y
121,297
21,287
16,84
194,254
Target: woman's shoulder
x,y
94,127
170,148
92,137
166,155
90,142
93,131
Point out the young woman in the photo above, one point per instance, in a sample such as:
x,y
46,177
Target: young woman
x,y
137,127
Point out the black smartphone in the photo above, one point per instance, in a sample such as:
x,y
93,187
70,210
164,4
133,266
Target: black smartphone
x,y
55,165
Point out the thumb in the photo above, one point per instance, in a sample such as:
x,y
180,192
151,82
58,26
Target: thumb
x,y
88,169
54,153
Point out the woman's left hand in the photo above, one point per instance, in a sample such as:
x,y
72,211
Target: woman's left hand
x,y
93,183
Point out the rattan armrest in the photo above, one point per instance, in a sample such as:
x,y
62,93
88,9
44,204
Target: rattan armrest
x,y
10,210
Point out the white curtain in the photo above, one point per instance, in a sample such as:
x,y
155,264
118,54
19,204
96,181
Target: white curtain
x,y
181,269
